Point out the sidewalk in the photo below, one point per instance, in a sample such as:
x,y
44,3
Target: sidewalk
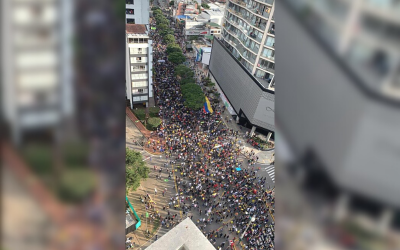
x,y
145,133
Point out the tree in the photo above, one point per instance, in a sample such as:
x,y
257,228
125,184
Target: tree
x,y
162,26
176,58
166,32
187,80
205,6
154,9
171,3
193,95
153,123
173,47
169,39
136,169
183,72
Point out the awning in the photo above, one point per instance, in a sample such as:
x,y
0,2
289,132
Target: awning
x,y
210,37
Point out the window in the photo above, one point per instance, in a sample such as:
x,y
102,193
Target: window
x,y
130,20
138,59
268,53
130,11
270,41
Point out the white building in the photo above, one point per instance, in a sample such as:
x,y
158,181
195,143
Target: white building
x,y
139,89
137,11
36,77
185,236
215,16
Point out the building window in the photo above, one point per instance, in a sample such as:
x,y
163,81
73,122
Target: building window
x,y
130,11
130,20
129,2
138,59
270,41
140,90
268,53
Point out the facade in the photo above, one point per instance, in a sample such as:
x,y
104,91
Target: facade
x,y
249,33
364,34
354,158
246,98
137,11
37,87
139,65
184,236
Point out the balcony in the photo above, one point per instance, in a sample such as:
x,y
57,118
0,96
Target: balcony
x,y
130,11
271,29
129,2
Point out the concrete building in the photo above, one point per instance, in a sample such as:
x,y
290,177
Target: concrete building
x,y
37,88
215,16
139,66
249,33
184,236
365,34
349,123
137,11
249,101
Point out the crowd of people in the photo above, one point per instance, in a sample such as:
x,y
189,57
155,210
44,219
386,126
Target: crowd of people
x,y
211,179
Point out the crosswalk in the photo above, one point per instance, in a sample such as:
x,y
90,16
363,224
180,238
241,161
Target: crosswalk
x,y
271,172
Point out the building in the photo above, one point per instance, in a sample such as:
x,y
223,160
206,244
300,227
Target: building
x,y
242,64
208,15
36,74
139,88
137,11
249,33
349,123
202,52
184,236
249,101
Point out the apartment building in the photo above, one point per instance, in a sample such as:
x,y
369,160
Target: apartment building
x,y
249,33
139,65
36,73
137,11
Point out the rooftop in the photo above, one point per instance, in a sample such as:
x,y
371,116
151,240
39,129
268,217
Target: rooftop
x,y
135,29
185,235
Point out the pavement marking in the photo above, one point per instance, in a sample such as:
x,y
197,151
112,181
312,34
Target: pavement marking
x,y
271,172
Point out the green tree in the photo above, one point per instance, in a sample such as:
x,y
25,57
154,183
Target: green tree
x,y
171,3
176,58
183,72
169,39
205,6
136,169
193,95
167,32
153,123
154,9
162,26
173,47
187,80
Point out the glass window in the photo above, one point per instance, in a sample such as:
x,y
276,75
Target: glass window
x,y
270,41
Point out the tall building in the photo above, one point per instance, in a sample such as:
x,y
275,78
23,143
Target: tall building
x,y
137,11
242,64
36,75
365,34
139,65
249,33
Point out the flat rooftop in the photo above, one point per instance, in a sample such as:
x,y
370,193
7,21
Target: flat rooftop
x,y
185,236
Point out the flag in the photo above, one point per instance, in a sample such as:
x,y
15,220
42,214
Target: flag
x,y
207,107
